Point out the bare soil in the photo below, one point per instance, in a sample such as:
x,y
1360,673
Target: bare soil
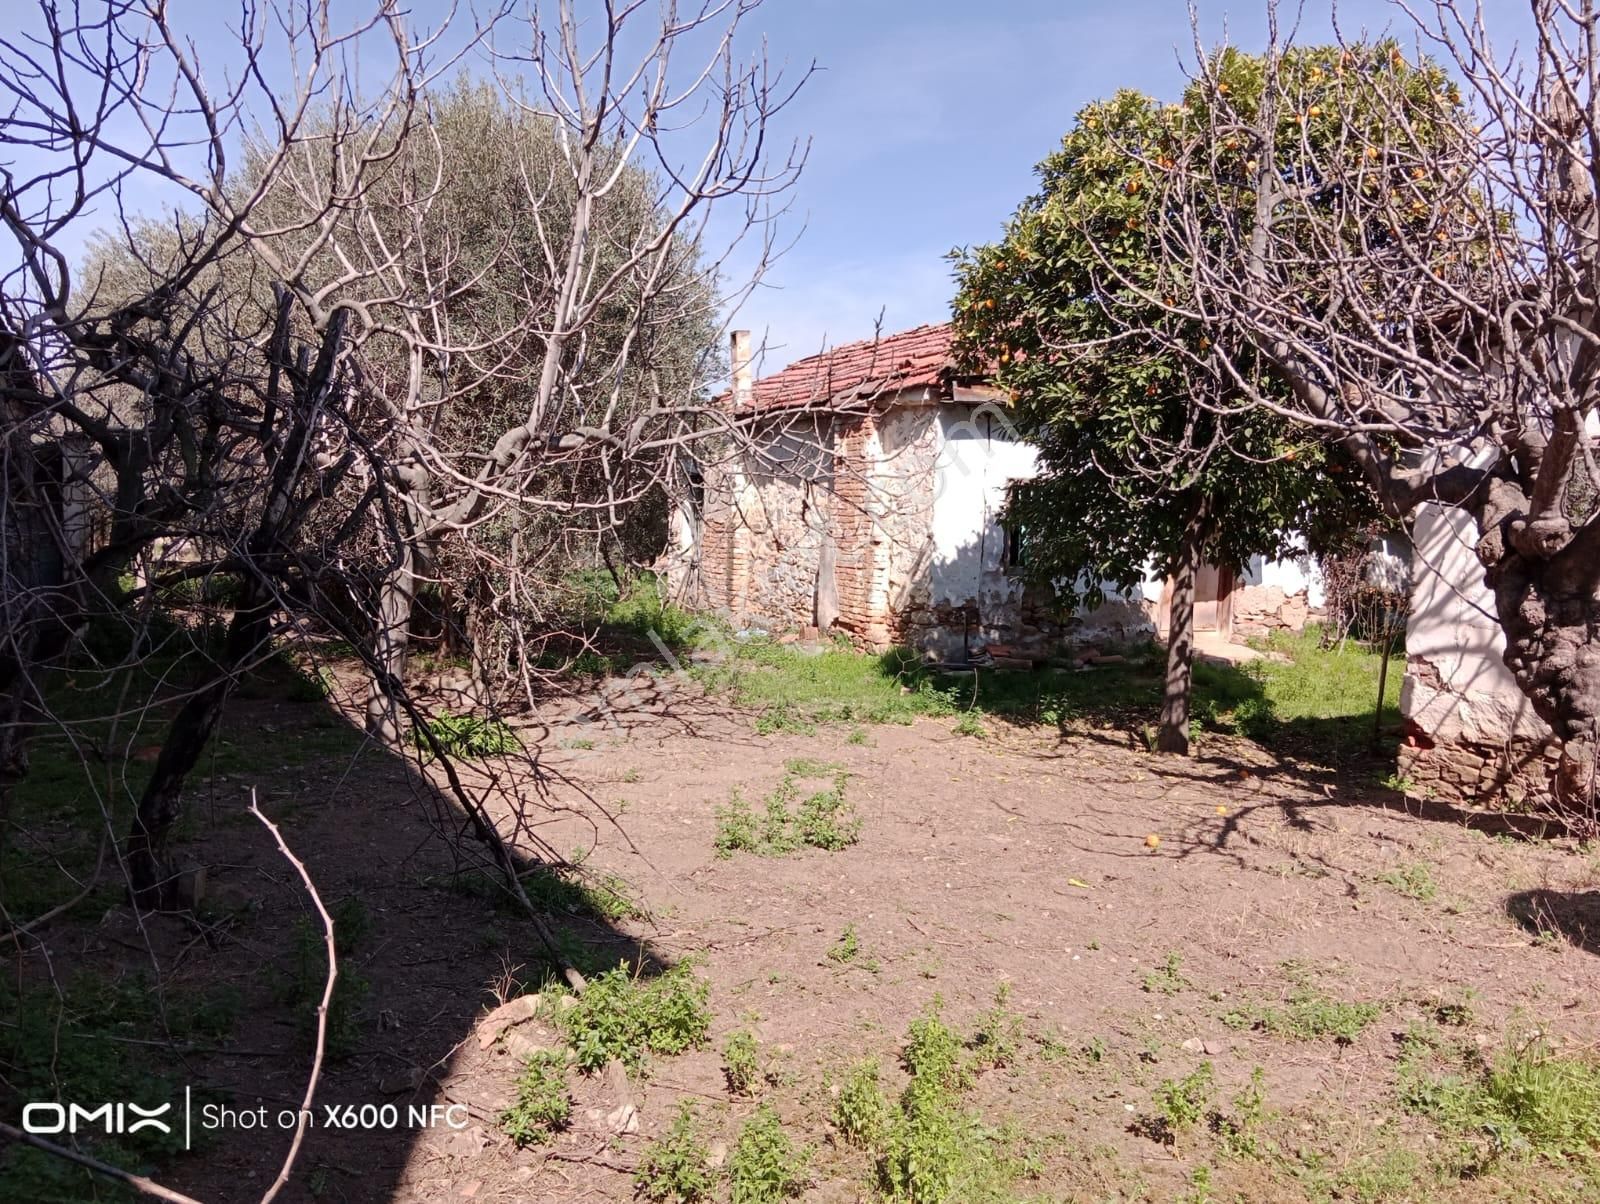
x,y
1069,867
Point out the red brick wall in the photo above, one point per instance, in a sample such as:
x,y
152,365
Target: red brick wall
x,y
862,568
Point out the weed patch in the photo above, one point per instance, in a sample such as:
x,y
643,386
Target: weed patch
x,y
766,1165
741,1063
625,1016
676,1168
1167,978
1527,1099
847,948
790,818
1309,1014
542,1107
467,736
1414,880
998,1036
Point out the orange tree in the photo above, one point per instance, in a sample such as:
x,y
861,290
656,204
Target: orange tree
x,y
1155,446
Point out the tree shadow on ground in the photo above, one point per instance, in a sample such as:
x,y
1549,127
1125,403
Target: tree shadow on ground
x,y
1571,914
428,943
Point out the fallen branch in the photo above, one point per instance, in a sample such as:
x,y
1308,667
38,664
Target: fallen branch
x,y
149,1186
322,1007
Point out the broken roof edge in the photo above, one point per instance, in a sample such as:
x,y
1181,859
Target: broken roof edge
x,y
865,374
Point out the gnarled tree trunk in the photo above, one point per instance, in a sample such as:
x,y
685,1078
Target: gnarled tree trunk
x,y
1550,613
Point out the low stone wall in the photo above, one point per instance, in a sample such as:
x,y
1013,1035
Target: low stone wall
x,y
1515,775
1260,610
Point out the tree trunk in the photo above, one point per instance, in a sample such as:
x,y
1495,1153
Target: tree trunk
x,y
150,878
1172,736
395,599
1549,611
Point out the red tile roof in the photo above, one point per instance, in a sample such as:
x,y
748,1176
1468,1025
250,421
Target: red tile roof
x,y
861,371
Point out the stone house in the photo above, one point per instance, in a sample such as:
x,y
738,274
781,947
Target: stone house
x,y
868,499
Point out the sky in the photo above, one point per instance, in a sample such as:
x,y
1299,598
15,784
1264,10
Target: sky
x,y
928,117
925,119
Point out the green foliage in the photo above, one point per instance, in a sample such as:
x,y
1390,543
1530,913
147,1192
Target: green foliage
x,y
1183,1103
676,1167
1527,1099
970,725
736,828
1167,978
1134,433
862,1112
932,1054
467,736
1241,1132
998,1037
542,1107
642,610
741,1063
1309,1013
823,819
1414,880
624,1016
847,947
766,1165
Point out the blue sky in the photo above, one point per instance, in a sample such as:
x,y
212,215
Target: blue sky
x,y
925,121
929,116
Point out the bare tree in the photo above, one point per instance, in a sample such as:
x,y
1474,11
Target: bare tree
x,y
264,390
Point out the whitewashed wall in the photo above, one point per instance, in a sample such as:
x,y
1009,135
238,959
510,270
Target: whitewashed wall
x,y
1457,687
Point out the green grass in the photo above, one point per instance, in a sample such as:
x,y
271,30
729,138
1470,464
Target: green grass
x,y
1321,700
1527,1099
1309,1013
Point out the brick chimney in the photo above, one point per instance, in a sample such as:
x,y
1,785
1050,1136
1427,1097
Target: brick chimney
x,y
739,368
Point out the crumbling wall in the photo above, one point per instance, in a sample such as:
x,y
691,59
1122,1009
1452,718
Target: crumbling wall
x,y
1276,595
1471,735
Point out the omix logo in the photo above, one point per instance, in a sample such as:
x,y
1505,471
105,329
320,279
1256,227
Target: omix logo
x,y
118,1119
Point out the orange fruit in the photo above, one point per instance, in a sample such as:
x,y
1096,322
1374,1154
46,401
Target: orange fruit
x,y
1152,841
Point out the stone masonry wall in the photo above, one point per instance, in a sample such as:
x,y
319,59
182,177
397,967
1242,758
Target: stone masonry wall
x,y
1260,610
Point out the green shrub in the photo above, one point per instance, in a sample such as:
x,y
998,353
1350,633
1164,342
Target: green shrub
x,y
998,1037
542,1107
766,1166
623,1016
467,736
861,1111
676,1167
741,1064
848,946
823,820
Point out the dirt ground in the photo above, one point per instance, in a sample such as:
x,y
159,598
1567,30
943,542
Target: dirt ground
x,y
1022,858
